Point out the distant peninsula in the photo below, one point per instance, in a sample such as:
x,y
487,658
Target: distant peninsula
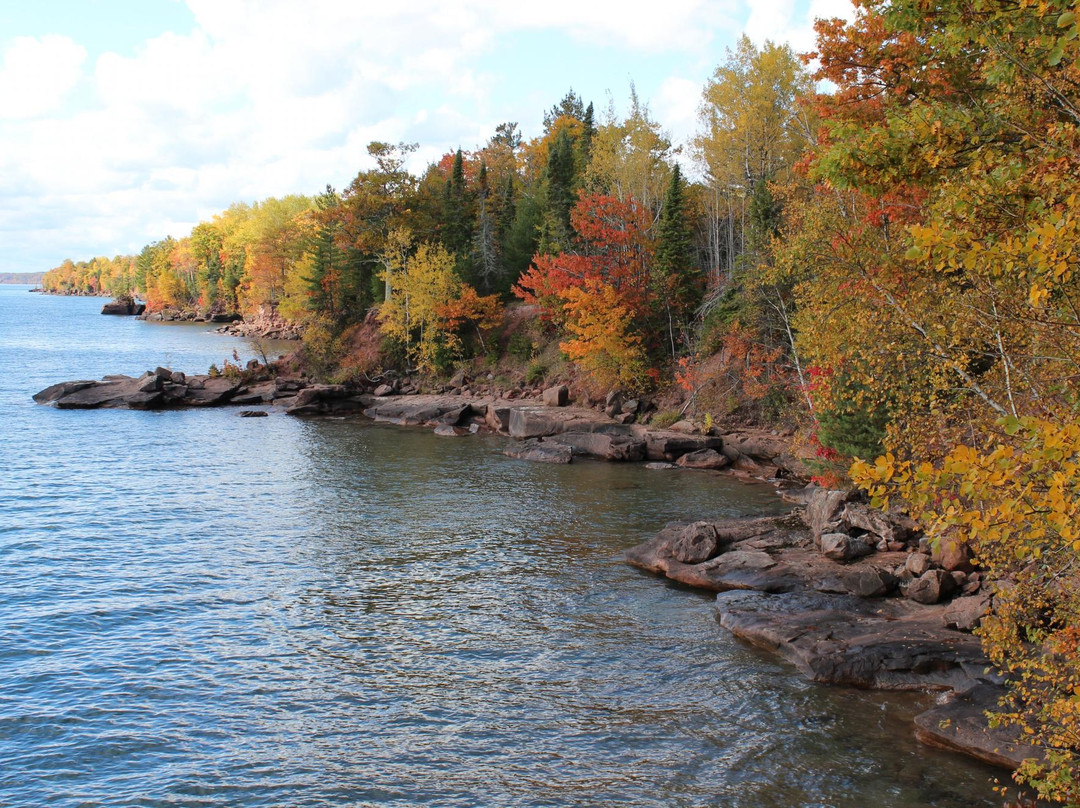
x,y
32,278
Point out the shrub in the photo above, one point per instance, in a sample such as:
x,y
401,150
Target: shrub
x,y
535,373
665,418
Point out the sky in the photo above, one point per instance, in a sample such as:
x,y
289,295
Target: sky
x,y
124,121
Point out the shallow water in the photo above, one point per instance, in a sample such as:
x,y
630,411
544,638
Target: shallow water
x,y
198,609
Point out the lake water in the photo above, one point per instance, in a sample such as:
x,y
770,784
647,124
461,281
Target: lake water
x,y
198,609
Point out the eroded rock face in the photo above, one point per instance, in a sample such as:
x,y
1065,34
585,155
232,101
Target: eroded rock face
x,y
419,410
696,543
862,517
770,555
665,445
822,514
967,613
602,446
153,390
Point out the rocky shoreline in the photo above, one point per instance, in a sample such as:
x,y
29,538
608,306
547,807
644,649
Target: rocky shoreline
x,y
852,598
847,594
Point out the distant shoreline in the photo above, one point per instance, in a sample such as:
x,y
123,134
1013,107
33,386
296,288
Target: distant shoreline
x,y
20,278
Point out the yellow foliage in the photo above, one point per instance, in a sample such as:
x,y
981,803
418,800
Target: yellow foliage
x,y
1017,504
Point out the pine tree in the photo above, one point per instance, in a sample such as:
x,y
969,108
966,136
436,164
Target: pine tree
x,y
676,276
556,232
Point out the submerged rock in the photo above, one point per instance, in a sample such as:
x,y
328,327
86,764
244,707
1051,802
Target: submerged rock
x,y
601,445
538,452
844,640
959,724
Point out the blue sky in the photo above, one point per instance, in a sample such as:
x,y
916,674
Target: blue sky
x,y
123,121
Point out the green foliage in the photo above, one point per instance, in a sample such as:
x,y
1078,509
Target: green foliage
x,y
665,418
535,373
520,347
853,424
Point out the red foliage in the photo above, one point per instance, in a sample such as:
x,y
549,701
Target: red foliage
x,y
613,248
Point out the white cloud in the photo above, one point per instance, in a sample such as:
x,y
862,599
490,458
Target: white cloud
x,y
676,108
38,74
791,22
269,97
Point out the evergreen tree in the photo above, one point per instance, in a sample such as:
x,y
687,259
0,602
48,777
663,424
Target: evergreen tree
x,y
556,232
678,279
571,107
457,229
584,144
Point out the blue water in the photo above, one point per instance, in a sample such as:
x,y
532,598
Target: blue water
x,y
202,610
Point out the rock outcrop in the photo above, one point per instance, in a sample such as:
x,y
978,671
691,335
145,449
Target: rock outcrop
x,y
157,389
124,306
845,594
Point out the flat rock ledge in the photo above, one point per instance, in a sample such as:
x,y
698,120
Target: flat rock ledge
x,y
545,433
843,620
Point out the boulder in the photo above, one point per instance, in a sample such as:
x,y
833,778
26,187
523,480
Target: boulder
x,y
212,391
695,543
703,459
526,422
419,410
866,582
498,418
558,396
384,390
531,421
930,587
966,613
951,553
541,452
63,389
122,307
117,392
613,403
318,399
842,547
285,386
917,564
253,413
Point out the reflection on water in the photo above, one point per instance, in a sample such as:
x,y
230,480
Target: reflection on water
x,y
199,609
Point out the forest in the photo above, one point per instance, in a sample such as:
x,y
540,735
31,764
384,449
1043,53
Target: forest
x,y
877,242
